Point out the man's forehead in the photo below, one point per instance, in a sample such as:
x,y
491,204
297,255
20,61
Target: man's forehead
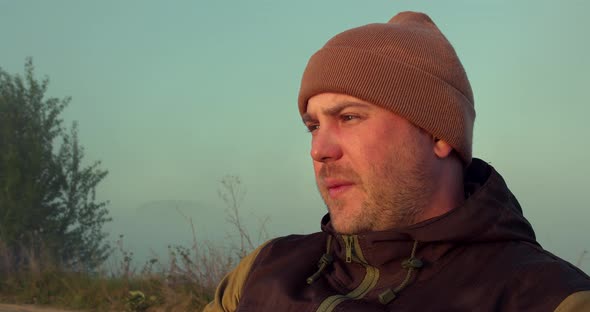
x,y
333,103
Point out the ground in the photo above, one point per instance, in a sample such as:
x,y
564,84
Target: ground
x,y
27,308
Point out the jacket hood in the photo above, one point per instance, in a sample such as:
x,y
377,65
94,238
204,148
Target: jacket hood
x,y
490,213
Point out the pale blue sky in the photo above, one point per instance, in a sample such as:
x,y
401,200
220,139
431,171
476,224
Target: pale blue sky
x,y
173,95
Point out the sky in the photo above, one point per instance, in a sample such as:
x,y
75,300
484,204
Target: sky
x,y
172,96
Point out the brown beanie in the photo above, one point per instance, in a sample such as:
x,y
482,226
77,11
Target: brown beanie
x,y
407,66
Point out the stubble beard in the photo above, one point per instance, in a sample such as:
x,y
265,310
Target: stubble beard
x,y
397,197
396,194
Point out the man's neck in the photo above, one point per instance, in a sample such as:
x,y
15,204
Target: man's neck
x,y
448,193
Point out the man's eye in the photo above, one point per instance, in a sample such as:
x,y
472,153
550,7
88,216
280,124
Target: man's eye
x,y
312,128
348,117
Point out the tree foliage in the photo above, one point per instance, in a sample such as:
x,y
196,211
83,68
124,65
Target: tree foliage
x,y
47,194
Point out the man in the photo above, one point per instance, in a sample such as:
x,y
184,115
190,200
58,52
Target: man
x,y
414,223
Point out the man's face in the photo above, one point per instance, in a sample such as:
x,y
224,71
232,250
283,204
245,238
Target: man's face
x,y
372,167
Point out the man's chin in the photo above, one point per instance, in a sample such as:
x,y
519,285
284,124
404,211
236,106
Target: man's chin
x,y
346,225
346,216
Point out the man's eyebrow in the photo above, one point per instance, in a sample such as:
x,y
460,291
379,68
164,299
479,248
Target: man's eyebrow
x,y
335,110
306,117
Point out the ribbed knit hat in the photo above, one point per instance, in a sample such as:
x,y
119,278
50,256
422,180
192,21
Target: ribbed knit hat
x,y
407,66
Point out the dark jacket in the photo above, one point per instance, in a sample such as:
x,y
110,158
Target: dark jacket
x,y
481,256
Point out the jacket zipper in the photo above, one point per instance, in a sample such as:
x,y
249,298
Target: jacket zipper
x,y
348,241
354,254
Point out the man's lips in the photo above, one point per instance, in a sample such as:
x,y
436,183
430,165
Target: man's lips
x,y
337,187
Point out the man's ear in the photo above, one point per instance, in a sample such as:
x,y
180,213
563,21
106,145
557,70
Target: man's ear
x,y
441,148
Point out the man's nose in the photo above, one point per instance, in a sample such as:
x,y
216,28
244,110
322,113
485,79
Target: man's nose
x,y
325,146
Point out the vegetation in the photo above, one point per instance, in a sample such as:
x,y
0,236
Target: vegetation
x,y
185,282
47,195
232,193
175,286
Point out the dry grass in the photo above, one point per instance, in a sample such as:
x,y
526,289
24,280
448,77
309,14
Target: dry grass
x,y
184,282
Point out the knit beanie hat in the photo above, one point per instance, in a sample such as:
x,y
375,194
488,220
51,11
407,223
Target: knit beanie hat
x,y
407,66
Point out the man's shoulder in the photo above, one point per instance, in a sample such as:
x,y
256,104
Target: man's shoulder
x,y
537,273
298,238
515,275
526,259
294,243
533,271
